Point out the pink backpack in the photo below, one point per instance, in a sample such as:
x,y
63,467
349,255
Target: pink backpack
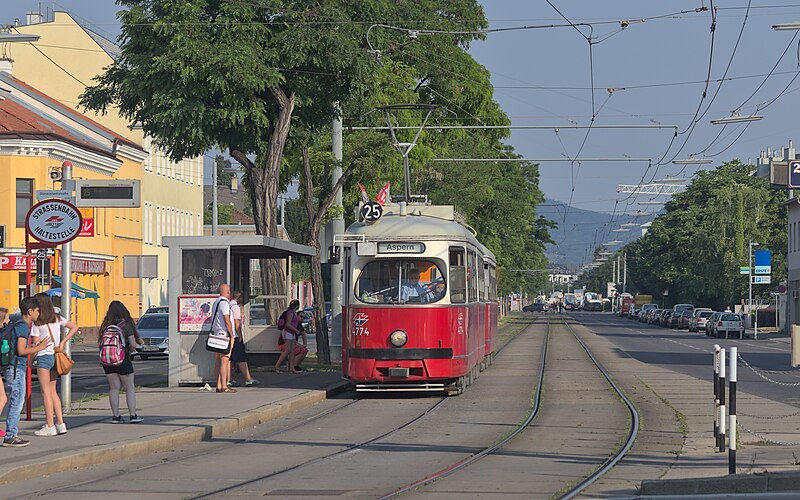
x,y
112,346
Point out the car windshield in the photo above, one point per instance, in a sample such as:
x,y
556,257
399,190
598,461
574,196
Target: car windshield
x,y
706,314
153,323
400,281
730,317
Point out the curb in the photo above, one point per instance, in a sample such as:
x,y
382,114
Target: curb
x,y
738,483
204,432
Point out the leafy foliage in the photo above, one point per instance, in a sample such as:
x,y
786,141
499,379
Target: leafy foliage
x,y
695,249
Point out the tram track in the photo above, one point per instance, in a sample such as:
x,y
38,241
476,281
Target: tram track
x,y
277,433
582,483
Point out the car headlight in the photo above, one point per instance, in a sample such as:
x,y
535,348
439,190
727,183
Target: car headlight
x,y
398,338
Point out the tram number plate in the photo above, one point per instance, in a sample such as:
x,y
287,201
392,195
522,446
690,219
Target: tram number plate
x,y
360,330
371,211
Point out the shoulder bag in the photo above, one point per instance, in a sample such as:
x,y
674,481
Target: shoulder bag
x,y
217,343
63,363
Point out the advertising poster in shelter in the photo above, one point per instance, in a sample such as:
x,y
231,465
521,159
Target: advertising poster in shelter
x,y
194,313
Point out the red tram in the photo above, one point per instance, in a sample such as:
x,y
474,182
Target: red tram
x,y
420,307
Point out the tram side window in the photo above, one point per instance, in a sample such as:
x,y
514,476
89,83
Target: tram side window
x,y
483,274
472,276
400,281
458,276
492,283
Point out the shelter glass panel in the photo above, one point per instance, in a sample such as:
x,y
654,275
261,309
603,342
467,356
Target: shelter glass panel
x,y
204,270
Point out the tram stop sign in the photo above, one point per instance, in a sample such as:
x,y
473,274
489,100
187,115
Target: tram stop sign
x,y
53,221
371,211
794,174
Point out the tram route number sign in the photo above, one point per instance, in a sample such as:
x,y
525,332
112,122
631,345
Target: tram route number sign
x,y
794,174
371,211
41,254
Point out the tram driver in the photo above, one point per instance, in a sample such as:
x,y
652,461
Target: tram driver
x,y
412,290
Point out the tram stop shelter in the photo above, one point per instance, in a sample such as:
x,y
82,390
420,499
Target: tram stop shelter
x,y
197,266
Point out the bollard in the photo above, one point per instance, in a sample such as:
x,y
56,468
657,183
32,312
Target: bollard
x,y
722,413
716,392
732,410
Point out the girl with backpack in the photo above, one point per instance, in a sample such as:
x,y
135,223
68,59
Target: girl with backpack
x,y
287,323
48,325
118,341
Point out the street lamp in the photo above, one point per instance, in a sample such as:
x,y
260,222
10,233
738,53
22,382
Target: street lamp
x,y
691,160
786,27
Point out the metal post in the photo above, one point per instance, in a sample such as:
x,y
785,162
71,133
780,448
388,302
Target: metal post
x,y
732,409
625,272
337,225
750,279
722,410
66,294
214,213
716,392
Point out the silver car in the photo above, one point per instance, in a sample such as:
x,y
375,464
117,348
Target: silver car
x,y
154,331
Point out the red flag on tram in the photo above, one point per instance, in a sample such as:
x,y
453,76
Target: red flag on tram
x,y
383,194
364,196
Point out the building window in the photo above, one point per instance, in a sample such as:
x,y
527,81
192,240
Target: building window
x,y
24,199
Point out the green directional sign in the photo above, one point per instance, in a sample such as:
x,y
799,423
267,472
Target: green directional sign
x,y
744,270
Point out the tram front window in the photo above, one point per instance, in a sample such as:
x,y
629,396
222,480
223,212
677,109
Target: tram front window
x,y
400,281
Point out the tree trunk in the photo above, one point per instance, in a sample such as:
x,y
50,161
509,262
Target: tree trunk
x,y
262,186
320,314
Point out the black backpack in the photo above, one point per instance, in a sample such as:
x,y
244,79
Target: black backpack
x,y
7,334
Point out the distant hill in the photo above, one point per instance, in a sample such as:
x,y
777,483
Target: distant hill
x,y
577,236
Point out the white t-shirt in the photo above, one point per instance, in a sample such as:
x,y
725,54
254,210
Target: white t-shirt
x,y
42,333
220,309
236,313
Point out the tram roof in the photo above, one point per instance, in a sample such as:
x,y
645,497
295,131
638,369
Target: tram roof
x,y
421,223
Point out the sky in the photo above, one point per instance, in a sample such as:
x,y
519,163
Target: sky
x,y
658,68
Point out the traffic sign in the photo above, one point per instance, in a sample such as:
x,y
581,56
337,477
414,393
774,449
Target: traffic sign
x,y
794,174
744,270
53,221
57,194
41,254
371,211
762,280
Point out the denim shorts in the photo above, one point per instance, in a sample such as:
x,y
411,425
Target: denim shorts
x,y
45,361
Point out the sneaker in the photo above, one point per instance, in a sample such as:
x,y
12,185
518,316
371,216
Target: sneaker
x,y
15,441
46,431
135,419
116,420
232,384
252,381
61,429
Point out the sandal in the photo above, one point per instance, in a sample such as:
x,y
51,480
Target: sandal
x,y
277,370
230,390
295,372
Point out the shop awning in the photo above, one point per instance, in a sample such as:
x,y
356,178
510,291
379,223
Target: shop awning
x,y
89,294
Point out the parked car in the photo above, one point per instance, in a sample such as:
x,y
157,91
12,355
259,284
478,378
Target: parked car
x,y
699,319
154,332
729,322
309,322
711,324
157,309
535,307
666,317
683,323
676,320
645,311
683,307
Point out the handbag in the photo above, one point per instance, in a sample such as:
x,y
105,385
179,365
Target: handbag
x,y
63,363
217,343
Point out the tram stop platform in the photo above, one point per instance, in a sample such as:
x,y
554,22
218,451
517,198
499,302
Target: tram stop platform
x,y
173,417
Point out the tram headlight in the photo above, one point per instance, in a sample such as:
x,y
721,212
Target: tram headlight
x,y
398,338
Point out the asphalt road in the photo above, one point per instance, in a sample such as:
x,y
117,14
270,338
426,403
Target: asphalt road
x,y
692,353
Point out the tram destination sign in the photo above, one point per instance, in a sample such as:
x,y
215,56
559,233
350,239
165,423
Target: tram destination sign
x,y
54,222
401,247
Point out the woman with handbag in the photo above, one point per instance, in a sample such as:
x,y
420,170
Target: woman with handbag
x,y
121,375
49,325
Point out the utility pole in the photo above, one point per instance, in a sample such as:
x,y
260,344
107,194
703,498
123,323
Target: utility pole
x,y
214,200
750,286
66,292
337,226
625,272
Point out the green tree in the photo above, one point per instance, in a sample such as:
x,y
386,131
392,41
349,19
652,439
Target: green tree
x,y
224,214
223,166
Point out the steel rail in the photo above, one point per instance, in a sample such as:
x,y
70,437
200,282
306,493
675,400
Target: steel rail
x,y
532,413
634,430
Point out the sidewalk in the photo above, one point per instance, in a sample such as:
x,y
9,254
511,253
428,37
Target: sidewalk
x,y
172,417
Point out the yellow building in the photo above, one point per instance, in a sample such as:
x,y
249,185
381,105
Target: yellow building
x,y
65,59
38,133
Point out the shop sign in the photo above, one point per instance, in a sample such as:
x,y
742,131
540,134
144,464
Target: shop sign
x,y
16,262
87,228
86,266
53,221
